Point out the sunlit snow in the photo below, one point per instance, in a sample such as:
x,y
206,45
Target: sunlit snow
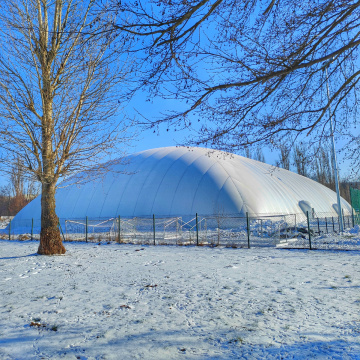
x,y
113,301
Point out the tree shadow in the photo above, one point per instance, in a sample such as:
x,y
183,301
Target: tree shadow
x,y
18,257
171,343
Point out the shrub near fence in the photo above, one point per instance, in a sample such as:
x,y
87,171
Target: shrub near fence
x,y
318,231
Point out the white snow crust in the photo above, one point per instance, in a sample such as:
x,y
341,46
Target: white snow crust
x,y
4,222
114,301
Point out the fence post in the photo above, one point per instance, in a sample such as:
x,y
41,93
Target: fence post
x,y
248,228
61,230
154,227
86,229
318,225
32,229
197,230
10,230
326,225
333,223
308,224
343,215
119,229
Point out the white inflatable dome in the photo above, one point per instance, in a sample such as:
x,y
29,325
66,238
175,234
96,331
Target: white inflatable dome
x,y
182,181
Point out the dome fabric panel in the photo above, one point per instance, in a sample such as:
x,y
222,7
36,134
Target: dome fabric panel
x,y
182,181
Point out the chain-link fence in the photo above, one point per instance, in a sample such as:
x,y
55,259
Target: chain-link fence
x,y
315,231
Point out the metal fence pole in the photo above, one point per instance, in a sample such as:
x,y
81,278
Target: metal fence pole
x,y
61,230
32,229
352,217
309,230
154,228
119,233
248,228
326,225
86,229
10,230
318,225
333,223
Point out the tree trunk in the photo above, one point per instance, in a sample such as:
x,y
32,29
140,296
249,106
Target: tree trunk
x,y
50,239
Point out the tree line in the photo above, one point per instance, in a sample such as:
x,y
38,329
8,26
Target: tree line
x,y
314,163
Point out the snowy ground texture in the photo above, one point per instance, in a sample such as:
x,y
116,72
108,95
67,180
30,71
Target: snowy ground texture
x,y
114,301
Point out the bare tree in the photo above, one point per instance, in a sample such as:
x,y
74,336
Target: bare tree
x,y
323,167
61,76
253,69
247,152
259,155
5,200
285,154
18,192
22,190
17,180
302,160
255,155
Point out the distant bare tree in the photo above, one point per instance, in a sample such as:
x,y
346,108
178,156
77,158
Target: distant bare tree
x,y
17,178
259,155
61,80
21,190
302,160
248,152
5,199
323,167
256,154
285,155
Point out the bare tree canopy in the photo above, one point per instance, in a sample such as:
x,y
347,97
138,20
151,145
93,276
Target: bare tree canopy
x,y
251,70
61,76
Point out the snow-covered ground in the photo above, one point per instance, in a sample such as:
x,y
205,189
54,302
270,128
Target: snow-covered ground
x,y
348,240
114,301
4,221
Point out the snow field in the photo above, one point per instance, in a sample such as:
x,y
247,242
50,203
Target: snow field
x,y
144,302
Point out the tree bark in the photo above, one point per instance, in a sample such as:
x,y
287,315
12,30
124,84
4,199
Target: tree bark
x,y
50,239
